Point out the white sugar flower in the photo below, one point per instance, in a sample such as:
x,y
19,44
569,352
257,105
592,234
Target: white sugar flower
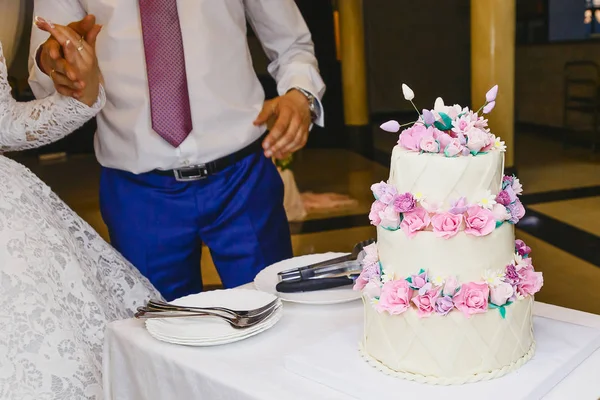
x,y
499,145
521,262
438,281
516,186
419,196
407,92
487,201
387,275
493,278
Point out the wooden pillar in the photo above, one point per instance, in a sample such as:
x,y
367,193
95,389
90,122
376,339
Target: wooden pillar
x,y
354,75
493,24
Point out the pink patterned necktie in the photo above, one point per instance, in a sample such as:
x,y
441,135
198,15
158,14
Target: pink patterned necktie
x,y
165,63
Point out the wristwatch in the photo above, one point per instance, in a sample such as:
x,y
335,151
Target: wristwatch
x,y
313,105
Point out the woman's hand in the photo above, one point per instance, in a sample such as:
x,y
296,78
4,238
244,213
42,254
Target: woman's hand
x,y
80,58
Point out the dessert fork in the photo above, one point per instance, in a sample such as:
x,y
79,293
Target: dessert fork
x,y
237,322
161,306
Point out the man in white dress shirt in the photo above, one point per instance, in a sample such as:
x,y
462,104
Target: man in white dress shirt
x,y
182,137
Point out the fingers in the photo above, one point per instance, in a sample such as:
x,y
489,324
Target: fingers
x,y
63,67
297,140
266,113
54,49
93,35
83,26
271,143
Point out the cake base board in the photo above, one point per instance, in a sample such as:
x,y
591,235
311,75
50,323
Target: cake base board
x,y
337,363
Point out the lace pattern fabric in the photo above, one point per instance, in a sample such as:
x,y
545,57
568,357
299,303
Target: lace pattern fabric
x,y
40,122
60,283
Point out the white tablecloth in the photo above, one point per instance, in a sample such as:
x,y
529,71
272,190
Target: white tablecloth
x,y
136,366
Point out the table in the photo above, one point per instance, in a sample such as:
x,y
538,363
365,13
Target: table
x,y
137,366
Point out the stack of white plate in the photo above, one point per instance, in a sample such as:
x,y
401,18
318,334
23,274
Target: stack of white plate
x,y
212,331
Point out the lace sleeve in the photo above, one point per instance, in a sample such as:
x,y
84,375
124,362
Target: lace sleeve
x,y
39,122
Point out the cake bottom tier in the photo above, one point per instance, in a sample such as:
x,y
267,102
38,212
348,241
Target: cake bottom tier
x,y
451,349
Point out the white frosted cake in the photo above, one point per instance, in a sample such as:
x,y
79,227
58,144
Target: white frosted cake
x,y
447,291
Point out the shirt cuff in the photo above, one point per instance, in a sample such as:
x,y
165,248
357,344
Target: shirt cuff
x,y
305,83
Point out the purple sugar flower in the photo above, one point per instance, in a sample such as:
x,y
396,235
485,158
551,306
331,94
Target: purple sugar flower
x,y
503,198
507,181
521,248
443,305
459,206
512,196
491,94
428,117
516,211
489,107
404,203
418,281
511,276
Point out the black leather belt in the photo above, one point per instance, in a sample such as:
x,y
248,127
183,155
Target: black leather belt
x,y
201,171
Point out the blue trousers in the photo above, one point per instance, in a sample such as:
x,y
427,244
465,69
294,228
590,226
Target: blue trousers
x,y
159,224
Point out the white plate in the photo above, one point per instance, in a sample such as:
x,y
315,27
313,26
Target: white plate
x,y
206,328
243,334
267,279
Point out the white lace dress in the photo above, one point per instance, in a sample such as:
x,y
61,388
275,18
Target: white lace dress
x,y
60,283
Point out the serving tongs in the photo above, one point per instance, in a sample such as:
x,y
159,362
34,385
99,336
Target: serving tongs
x,y
343,266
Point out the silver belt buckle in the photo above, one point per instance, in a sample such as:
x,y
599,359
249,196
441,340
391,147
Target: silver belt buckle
x,y
187,174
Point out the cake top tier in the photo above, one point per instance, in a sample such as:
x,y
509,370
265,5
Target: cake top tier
x,y
450,131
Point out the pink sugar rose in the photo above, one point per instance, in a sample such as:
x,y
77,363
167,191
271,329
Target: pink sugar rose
x,y
415,221
491,140
479,221
477,139
370,255
373,288
376,208
531,282
389,218
369,273
404,203
472,298
500,294
384,192
446,225
426,302
453,148
500,212
410,138
444,140
429,145
395,297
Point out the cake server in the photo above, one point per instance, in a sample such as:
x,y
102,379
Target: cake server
x,y
311,285
297,274
345,268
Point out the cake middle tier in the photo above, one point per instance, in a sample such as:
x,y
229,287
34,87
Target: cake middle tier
x,y
463,256
446,179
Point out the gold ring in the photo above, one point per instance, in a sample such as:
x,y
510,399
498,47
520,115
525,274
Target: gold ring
x,y
52,73
80,47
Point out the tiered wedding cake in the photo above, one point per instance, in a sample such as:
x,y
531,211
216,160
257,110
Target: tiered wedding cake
x,y
448,292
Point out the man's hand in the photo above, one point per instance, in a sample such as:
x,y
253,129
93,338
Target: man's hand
x,y
290,129
51,59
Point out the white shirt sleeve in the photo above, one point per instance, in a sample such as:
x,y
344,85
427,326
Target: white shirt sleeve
x,y
39,122
287,42
57,11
